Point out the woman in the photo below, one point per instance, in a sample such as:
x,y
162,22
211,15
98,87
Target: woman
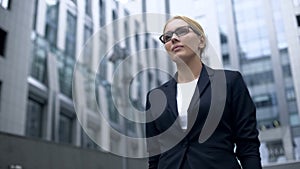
x,y
199,120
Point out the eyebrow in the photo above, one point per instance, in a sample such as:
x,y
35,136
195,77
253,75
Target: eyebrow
x,y
175,28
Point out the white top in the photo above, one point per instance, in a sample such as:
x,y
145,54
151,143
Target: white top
x,y
185,92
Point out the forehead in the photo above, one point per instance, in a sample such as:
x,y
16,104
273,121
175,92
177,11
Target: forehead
x,y
173,24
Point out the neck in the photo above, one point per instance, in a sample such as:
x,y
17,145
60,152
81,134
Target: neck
x,y
189,71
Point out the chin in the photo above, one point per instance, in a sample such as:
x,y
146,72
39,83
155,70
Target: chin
x,y
178,58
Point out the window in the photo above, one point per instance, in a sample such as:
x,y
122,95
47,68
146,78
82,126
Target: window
x,y
65,76
263,101
70,44
103,69
88,8
259,78
36,4
88,31
115,25
130,127
127,32
226,60
3,34
0,94
65,128
87,141
5,4
102,15
38,68
223,38
290,94
113,112
286,71
298,20
51,23
136,36
294,119
34,120
275,150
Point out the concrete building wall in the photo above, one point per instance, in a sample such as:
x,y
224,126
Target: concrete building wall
x,y
14,65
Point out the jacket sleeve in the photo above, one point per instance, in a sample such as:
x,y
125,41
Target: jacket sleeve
x,y
152,143
245,131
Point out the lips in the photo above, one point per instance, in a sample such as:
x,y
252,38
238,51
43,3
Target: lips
x,y
176,47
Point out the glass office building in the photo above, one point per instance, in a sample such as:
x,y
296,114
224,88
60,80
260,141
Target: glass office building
x,y
254,40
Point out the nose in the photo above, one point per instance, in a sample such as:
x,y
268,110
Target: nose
x,y
174,37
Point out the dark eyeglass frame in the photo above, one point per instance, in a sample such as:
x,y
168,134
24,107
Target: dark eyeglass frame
x,y
178,34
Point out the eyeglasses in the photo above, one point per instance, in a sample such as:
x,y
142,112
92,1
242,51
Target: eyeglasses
x,y
166,37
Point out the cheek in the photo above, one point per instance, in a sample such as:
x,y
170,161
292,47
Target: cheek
x,y
168,47
192,43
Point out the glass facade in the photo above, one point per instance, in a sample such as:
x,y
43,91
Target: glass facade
x,y
273,95
289,87
253,37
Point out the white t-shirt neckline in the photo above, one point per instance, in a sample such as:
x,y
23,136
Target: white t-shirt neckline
x,y
185,92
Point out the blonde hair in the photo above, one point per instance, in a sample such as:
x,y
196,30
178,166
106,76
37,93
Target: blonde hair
x,y
194,24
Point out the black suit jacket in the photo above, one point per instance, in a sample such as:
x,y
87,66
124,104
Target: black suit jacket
x,y
221,125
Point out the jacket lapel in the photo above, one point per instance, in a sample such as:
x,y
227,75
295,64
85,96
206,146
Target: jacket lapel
x,y
203,82
171,93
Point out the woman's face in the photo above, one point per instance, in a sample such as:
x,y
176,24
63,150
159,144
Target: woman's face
x,y
185,47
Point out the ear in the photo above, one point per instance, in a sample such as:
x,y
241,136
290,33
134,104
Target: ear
x,y
202,42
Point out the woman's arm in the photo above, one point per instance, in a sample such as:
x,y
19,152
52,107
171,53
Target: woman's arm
x,y
245,131
152,144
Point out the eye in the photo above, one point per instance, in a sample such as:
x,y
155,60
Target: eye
x,y
167,36
182,31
